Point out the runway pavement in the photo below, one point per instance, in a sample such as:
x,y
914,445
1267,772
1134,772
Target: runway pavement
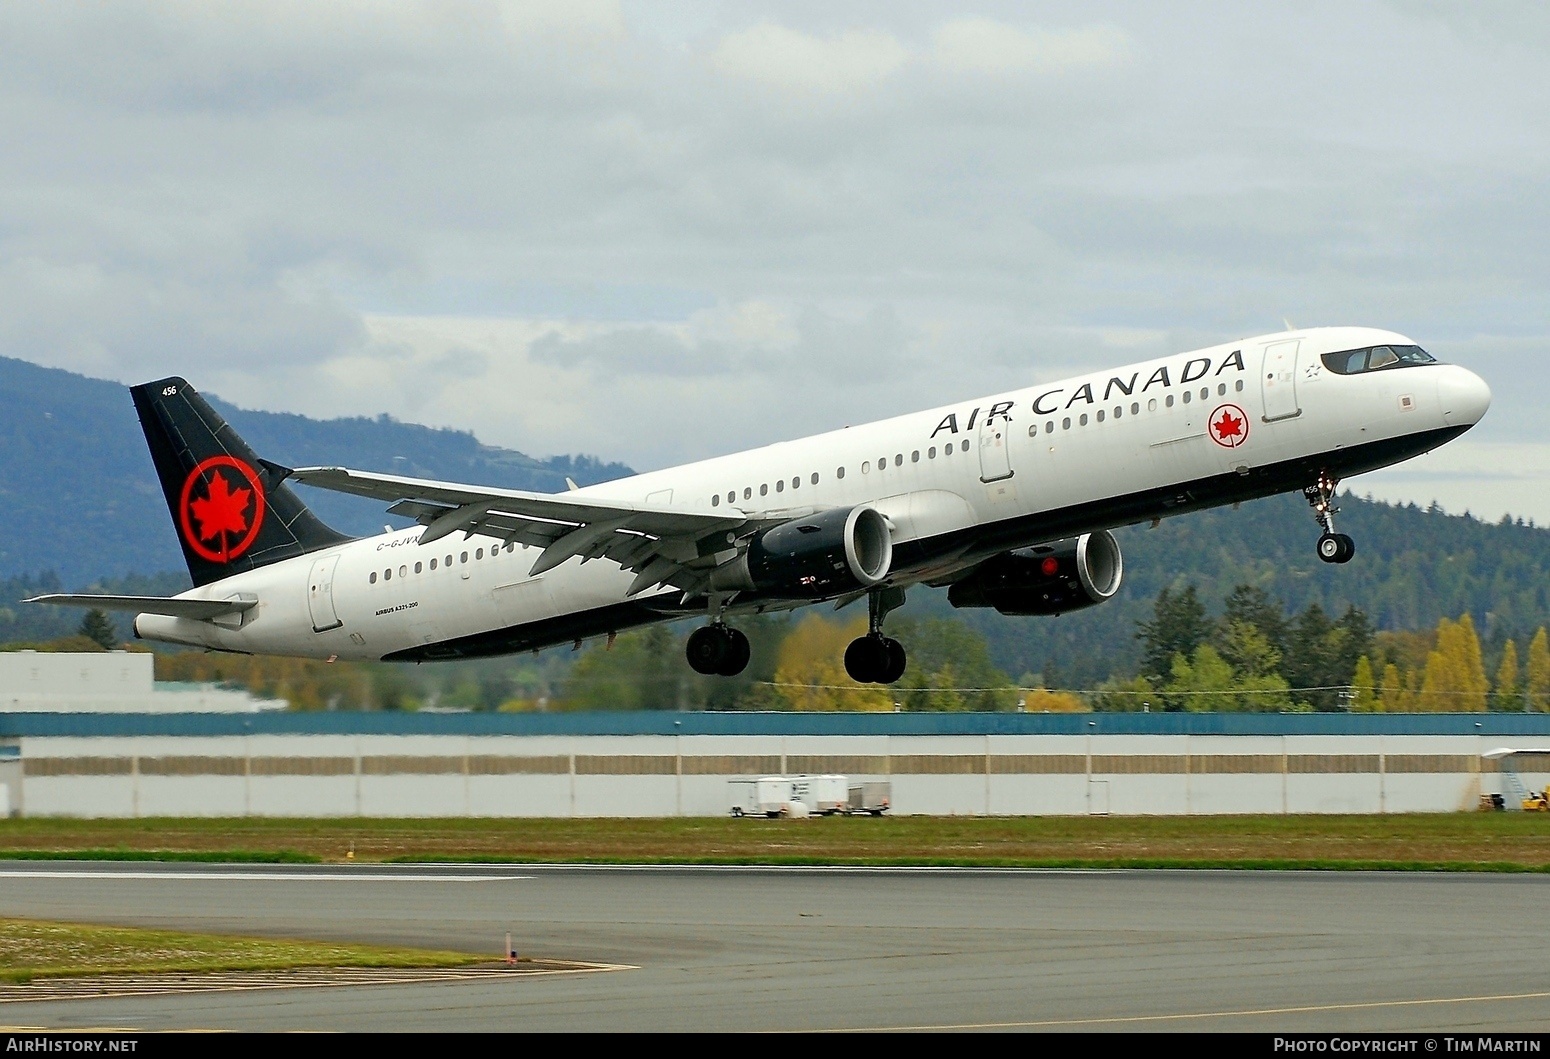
x,y
792,949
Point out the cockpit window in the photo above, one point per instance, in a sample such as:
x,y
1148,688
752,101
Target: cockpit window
x,y
1356,361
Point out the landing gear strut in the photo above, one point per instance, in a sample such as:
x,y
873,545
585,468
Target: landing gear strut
x,y
875,658
1332,547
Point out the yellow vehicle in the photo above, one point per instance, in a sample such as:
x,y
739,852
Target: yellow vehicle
x,y
1538,801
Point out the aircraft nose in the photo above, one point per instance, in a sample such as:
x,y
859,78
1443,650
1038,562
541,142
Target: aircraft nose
x,y
1463,395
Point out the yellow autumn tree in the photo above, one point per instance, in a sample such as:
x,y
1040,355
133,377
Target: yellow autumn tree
x,y
1043,700
1391,693
1364,694
1508,694
810,670
1455,680
1536,684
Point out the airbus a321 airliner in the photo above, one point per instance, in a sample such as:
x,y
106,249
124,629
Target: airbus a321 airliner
x,y
1007,501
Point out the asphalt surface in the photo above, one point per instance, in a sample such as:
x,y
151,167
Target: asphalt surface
x,y
798,949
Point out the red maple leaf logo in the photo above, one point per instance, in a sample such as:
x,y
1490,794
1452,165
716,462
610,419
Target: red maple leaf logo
x,y
223,511
1227,426
230,513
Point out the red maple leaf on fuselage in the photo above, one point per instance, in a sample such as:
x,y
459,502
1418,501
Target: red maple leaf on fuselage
x,y
1227,426
223,510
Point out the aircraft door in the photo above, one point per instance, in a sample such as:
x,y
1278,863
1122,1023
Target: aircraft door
x,y
995,452
320,595
1278,381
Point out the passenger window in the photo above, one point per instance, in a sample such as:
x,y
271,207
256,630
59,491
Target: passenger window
x,y
915,456
403,571
1186,396
866,466
1065,424
814,478
1238,385
839,472
418,568
1083,420
1033,430
965,445
1205,393
931,453
1100,415
715,501
764,489
1170,400
898,459
479,554
449,561
796,483
462,557
374,577
882,463
1221,389
1049,428
387,575
433,564
947,450
1135,408
780,485
1119,410
731,496
747,493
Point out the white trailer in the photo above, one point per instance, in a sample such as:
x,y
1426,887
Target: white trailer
x,y
761,795
872,796
824,795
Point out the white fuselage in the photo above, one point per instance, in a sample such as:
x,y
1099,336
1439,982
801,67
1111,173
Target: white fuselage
x,y
957,482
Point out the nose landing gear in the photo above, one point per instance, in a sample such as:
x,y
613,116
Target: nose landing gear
x,y
875,658
1332,547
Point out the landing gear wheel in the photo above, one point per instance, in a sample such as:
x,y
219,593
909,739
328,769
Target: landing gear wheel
x,y
708,648
1329,548
737,655
866,659
1336,548
897,661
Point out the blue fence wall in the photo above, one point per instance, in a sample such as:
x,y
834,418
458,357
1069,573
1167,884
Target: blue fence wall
x,y
14,725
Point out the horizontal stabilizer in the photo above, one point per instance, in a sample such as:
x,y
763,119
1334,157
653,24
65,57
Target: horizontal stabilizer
x,y
198,609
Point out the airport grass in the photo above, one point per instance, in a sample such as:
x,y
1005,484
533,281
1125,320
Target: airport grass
x,y
31,949
1494,842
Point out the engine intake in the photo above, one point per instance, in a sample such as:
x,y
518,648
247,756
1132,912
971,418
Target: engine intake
x,y
1050,579
824,554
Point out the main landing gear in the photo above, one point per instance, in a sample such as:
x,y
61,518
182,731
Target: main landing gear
x,y
717,650
1332,547
875,658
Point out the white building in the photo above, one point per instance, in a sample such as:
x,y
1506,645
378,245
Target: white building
x,y
109,682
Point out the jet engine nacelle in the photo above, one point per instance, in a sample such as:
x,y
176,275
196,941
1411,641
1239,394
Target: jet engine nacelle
x,y
1049,579
824,554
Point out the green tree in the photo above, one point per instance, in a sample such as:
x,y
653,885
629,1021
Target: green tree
x,y
1251,605
945,653
1206,683
97,627
1178,627
1508,695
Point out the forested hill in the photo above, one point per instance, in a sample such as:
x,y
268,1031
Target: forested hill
x,y
1413,566
79,497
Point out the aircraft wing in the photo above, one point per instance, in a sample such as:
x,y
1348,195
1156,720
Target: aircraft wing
x,y
659,545
199,609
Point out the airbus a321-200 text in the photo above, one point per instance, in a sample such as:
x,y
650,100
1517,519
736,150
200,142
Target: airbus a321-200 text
x,y
1007,501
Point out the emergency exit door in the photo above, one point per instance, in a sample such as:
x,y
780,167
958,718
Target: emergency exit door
x,y
320,595
995,453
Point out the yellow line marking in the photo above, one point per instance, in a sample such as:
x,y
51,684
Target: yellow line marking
x,y
1122,1019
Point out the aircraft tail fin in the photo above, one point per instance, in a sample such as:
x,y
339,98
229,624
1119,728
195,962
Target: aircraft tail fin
x,y
232,510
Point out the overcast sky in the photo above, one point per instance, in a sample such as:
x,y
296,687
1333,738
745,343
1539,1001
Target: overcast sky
x,y
658,232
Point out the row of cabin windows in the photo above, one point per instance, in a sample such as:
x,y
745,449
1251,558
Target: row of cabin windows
x,y
1135,408
403,571
839,472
